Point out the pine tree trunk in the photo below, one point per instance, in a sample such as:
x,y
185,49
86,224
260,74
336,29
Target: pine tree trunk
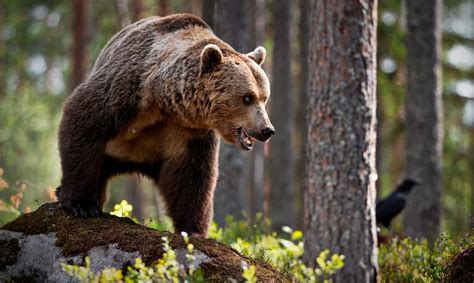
x,y
254,168
282,196
208,7
134,195
122,13
231,22
340,183
258,151
423,105
138,10
302,104
249,172
256,159
471,161
80,23
3,50
196,8
162,8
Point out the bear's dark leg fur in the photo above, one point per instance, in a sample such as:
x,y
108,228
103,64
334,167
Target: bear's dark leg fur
x,y
86,126
113,166
81,159
187,186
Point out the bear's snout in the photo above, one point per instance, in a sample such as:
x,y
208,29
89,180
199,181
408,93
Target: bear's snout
x,y
267,133
264,135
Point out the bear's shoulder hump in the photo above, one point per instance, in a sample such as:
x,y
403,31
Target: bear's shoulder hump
x,y
176,22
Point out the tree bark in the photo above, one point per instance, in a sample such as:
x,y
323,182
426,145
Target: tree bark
x,y
254,174
282,196
138,10
423,106
301,123
340,170
196,8
208,8
231,25
122,13
3,49
80,23
134,195
249,172
471,161
163,8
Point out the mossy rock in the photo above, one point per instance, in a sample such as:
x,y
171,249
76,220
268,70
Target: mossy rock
x,y
108,238
461,267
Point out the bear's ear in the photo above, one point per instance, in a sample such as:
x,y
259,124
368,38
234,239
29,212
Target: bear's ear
x,y
211,56
258,55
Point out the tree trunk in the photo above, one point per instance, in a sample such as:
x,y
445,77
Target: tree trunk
x,y
196,8
138,10
471,160
80,23
163,8
249,172
255,161
208,8
423,105
134,195
231,25
3,50
282,196
340,183
379,154
122,13
301,111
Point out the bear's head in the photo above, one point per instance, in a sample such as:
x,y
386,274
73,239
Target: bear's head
x,y
238,91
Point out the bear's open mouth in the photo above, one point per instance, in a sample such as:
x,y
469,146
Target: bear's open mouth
x,y
246,142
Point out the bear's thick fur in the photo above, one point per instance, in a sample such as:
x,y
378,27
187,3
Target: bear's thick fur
x,y
160,94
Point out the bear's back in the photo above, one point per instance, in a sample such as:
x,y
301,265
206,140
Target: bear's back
x,y
134,42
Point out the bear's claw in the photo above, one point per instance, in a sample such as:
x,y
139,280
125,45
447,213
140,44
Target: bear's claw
x,y
84,208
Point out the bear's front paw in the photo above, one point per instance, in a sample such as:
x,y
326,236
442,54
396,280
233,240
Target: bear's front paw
x,y
83,208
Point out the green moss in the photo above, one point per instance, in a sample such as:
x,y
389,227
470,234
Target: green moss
x,y
76,236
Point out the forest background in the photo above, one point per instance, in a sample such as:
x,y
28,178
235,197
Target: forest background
x,y
48,47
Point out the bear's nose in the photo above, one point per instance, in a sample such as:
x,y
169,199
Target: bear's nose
x,y
268,132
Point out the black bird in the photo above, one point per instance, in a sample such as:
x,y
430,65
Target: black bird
x,y
392,205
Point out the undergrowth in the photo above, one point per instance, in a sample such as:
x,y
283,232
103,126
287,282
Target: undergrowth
x,y
400,260
408,260
283,252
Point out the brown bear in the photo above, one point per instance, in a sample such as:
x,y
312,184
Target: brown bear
x,y
160,94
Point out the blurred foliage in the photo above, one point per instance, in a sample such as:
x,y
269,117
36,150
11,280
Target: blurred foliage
x,y
409,260
458,147
35,38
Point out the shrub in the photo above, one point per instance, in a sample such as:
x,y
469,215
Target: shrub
x,y
409,260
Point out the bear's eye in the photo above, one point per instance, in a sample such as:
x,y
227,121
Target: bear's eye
x,y
248,99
